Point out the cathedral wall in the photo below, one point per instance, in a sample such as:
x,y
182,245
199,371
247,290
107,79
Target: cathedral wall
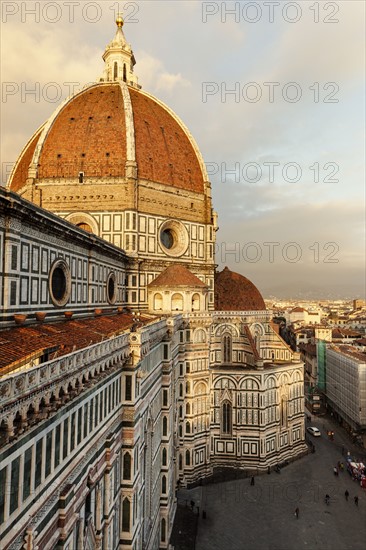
x,y
50,265
234,409
61,467
139,235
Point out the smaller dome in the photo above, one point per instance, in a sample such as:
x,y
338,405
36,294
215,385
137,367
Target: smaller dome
x,y
177,275
234,292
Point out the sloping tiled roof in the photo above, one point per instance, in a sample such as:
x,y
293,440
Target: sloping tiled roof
x,y
20,345
251,342
177,275
89,135
234,292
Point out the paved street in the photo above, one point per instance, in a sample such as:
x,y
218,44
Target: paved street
x,y
244,517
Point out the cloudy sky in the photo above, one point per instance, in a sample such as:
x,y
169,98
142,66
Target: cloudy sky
x,y
273,92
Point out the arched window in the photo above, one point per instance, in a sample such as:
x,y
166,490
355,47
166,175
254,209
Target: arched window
x,y
158,302
226,344
163,530
115,71
177,302
163,485
165,426
188,388
283,411
195,302
180,429
124,73
199,336
188,458
180,412
188,428
226,418
188,408
180,461
127,466
126,507
180,390
164,457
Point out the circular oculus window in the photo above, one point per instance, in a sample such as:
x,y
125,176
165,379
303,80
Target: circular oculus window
x,y
59,283
173,238
111,288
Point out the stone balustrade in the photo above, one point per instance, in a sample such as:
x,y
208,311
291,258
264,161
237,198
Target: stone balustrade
x,y
18,390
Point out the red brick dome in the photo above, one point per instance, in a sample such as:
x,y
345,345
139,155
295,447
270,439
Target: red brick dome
x,y
105,126
234,292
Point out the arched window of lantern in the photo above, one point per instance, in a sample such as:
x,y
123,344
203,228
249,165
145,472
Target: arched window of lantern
x,y
124,73
115,70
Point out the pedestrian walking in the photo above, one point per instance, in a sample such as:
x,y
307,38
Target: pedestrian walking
x,y
356,500
252,481
346,494
335,470
297,512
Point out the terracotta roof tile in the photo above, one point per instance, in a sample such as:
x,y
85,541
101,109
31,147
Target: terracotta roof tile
x,y
87,128
21,171
234,292
163,150
20,345
89,135
177,275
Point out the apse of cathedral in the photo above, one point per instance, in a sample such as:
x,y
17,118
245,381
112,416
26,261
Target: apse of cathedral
x,y
129,365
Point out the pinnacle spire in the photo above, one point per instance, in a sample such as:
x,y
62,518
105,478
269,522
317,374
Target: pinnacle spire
x,y
119,59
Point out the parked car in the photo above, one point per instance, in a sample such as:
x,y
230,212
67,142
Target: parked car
x,y
314,431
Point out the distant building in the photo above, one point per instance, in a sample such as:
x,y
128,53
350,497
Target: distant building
x,y
314,396
302,315
346,387
323,333
359,304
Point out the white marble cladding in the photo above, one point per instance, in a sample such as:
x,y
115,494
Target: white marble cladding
x,y
32,240
139,233
28,385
